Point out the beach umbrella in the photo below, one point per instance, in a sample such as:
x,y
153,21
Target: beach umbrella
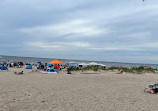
x,y
32,63
55,62
21,63
15,61
39,62
146,66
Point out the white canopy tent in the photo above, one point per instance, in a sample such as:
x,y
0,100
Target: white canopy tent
x,y
102,65
93,64
83,64
72,62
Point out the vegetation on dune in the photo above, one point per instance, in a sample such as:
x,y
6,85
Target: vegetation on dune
x,y
138,70
94,68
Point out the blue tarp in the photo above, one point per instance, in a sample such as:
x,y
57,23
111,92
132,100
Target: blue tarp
x,y
29,67
3,68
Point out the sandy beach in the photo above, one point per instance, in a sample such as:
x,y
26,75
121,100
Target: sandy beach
x,y
104,91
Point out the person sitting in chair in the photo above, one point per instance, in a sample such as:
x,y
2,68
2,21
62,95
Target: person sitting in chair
x,y
20,73
120,72
68,71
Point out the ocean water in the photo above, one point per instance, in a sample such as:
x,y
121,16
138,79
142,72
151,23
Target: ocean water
x,y
46,60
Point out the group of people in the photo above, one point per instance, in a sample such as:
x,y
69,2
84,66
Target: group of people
x,y
12,64
16,64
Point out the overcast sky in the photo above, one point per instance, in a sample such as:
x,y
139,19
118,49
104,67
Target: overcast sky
x,y
106,30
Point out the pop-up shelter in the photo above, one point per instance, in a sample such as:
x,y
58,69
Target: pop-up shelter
x,y
3,68
29,67
55,62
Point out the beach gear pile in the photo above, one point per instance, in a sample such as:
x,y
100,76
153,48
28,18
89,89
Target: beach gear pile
x,y
152,89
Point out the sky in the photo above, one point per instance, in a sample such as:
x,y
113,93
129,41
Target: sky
x,y
99,30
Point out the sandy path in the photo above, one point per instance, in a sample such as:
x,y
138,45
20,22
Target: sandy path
x,y
76,92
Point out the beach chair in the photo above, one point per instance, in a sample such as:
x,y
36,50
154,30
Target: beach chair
x,y
120,72
152,89
19,73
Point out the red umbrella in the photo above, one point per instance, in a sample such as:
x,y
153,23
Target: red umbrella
x,y
145,66
21,63
15,61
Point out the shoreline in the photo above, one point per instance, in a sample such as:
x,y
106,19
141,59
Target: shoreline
x,y
37,59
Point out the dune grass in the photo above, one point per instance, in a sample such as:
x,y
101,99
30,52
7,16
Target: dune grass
x,y
138,70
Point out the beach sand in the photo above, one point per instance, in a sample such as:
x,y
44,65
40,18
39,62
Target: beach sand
x,y
104,91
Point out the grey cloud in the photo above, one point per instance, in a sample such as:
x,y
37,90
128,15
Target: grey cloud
x,y
118,31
